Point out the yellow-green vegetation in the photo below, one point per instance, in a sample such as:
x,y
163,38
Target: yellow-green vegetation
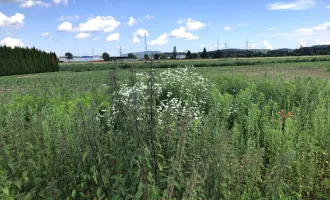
x,y
230,132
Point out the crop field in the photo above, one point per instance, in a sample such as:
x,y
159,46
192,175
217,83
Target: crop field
x,y
229,129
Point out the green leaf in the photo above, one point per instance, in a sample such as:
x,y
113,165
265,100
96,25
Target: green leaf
x,y
99,192
6,191
73,194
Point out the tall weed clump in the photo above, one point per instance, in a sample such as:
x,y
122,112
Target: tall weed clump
x,y
169,135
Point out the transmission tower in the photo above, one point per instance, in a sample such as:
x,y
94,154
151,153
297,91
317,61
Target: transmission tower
x,y
226,45
145,41
247,44
120,51
218,44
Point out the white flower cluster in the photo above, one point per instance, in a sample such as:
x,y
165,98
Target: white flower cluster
x,y
178,92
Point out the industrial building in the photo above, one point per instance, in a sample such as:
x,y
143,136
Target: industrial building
x,y
81,59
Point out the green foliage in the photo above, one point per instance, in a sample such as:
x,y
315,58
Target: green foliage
x,y
167,135
146,56
15,61
188,55
69,56
106,56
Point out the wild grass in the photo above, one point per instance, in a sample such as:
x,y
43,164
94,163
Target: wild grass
x,y
165,134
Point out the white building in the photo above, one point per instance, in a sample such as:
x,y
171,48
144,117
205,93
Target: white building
x,y
81,59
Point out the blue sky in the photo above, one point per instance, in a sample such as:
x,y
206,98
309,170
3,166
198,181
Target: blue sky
x,y
78,26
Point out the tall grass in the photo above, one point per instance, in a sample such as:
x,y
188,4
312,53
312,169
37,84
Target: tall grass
x,y
169,135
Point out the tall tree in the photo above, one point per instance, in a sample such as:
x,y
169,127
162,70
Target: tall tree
x,y
146,56
174,52
131,56
68,56
106,56
204,54
188,55
156,56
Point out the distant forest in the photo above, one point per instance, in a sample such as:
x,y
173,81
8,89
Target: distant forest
x,y
302,51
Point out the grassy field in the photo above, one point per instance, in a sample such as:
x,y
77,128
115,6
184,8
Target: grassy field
x,y
259,131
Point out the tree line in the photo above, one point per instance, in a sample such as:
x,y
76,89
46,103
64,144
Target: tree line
x,y
15,61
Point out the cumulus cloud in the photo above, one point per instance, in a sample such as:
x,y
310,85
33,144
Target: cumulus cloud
x,y
99,23
11,42
227,28
81,36
140,33
113,37
131,21
149,17
328,7
15,21
267,45
181,33
97,38
162,39
68,18
194,25
65,27
136,40
31,3
293,5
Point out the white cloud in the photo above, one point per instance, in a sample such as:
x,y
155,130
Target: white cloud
x,y
46,34
303,44
65,2
15,21
293,5
194,25
270,29
30,3
140,33
99,23
97,38
227,28
267,45
181,33
149,17
202,45
11,42
65,27
162,39
131,21
328,7
136,40
68,18
181,21
113,37
82,36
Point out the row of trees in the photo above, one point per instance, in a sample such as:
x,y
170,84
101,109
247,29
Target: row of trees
x,y
15,61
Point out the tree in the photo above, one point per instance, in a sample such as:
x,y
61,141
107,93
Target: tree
x,y
68,56
156,56
194,56
174,52
188,55
131,56
146,56
218,54
163,56
204,54
106,56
